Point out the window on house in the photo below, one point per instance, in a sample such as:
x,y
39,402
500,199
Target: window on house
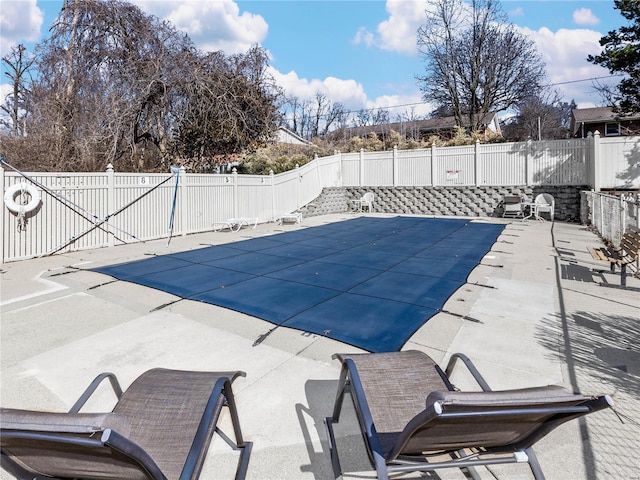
x,y
611,129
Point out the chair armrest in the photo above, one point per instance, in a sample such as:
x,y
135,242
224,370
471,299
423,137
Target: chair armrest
x,y
205,431
115,385
122,444
470,367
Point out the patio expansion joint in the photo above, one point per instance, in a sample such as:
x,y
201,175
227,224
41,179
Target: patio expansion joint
x,y
257,380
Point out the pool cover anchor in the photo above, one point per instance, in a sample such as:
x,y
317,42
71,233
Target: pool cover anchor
x,y
263,337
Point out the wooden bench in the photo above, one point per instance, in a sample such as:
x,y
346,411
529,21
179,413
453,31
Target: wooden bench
x,y
627,254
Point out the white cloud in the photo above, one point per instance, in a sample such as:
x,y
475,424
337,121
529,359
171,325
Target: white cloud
x,y
584,16
212,24
565,54
364,36
517,12
398,32
351,94
20,22
348,92
404,106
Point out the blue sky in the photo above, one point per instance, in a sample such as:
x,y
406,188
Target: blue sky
x,y
361,53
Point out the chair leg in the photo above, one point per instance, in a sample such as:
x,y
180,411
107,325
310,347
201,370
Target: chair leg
x,y
342,387
378,460
329,421
534,464
240,444
231,404
333,450
243,464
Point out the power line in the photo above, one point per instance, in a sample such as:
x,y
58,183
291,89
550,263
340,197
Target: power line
x,y
422,103
584,80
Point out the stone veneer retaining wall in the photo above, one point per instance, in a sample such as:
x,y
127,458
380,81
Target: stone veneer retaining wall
x,y
450,201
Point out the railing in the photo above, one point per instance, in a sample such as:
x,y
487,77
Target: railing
x,y
90,210
613,215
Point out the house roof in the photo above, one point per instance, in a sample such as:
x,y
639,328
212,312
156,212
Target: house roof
x,y
284,135
592,115
427,125
597,115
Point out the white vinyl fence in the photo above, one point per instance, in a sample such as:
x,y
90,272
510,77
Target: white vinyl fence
x,y
90,210
613,215
562,162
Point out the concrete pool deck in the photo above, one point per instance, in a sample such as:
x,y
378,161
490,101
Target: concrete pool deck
x,y
533,313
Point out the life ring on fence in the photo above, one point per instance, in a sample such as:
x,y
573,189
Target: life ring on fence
x,y
19,189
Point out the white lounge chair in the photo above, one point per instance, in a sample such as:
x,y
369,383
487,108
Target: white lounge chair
x,y
235,224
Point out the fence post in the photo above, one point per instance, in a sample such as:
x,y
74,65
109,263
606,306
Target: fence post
x,y
2,214
601,210
528,160
110,199
623,215
319,174
273,195
590,165
433,165
477,168
395,166
340,177
361,180
298,187
234,176
182,202
595,156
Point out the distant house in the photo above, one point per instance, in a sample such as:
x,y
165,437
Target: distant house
x,y
443,126
284,135
604,120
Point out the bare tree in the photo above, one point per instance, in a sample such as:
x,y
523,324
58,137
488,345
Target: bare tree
x,y
322,105
291,107
337,115
18,64
114,85
231,104
540,117
104,87
476,63
380,116
362,118
314,118
408,120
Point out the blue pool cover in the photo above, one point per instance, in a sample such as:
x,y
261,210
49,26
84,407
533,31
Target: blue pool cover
x,y
369,282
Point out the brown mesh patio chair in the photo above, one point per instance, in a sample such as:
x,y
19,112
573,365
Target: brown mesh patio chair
x,y
160,428
513,206
412,420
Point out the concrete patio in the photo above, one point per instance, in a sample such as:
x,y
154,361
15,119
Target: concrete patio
x,y
536,311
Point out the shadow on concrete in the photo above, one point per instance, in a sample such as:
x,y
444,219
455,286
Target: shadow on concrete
x,y
354,458
578,273
596,345
601,347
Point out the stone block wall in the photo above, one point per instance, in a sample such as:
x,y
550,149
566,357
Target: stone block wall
x,y
450,201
